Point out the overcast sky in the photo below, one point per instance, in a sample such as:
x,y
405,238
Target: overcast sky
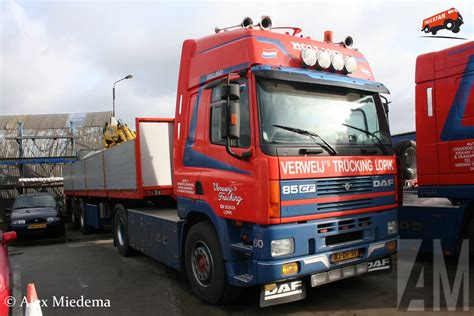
x,y
63,56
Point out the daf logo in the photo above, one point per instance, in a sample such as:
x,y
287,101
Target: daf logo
x,y
347,186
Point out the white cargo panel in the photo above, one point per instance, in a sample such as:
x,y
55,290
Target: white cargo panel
x,y
95,172
67,177
156,141
78,176
120,167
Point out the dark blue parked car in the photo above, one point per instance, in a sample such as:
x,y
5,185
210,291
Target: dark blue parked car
x,y
36,213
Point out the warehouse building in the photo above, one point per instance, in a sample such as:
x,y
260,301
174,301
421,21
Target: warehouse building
x,y
33,149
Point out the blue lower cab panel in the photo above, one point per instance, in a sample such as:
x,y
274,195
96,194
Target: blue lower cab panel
x,y
314,244
156,233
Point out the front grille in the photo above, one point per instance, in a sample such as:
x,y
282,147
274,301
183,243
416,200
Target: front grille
x,y
35,221
344,185
343,238
343,224
344,205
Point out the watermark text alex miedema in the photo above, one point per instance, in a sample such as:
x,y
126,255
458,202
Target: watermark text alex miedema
x,y
63,301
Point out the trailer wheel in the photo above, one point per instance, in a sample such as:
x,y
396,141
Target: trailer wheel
x,y
74,213
121,232
205,265
406,151
83,218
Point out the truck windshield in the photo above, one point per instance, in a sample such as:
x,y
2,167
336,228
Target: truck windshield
x,y
330,112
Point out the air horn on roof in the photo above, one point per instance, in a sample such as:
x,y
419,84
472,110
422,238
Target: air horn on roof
x,y
247,23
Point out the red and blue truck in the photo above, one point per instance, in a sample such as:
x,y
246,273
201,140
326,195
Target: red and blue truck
x,y
277,169
440,155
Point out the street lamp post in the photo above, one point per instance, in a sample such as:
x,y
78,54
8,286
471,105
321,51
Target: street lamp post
x,y
113,92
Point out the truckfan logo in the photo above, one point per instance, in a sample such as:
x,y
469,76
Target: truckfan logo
x,y
450,20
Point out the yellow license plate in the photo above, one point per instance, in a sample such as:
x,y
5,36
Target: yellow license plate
x,y
345,255
36,226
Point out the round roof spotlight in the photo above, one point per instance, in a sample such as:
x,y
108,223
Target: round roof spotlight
x,y
324,59
350,64
337,61
308,56
247,23
266,23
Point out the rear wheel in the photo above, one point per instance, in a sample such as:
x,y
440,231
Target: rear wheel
x,y
205,265
85,229
456,29
426,29
121,232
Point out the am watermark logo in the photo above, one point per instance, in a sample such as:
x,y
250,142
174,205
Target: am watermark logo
x,y
432,285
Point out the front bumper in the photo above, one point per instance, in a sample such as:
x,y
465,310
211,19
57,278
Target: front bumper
x,y
51,227
271,271
314,244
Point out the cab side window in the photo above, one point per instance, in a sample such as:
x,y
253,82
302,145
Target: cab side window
x,y
217,104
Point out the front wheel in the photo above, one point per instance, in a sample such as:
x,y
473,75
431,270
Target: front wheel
x,y
205,265
456,29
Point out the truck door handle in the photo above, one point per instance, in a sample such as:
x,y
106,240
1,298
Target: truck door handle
x,y
429,101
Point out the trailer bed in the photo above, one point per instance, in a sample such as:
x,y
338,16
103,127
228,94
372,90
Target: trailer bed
x,y
134,169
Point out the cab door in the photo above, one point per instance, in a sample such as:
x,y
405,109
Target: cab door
x,y
233,188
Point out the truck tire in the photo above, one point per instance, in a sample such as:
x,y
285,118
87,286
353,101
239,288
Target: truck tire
x,y
121,232
205,265
75,213
406,151
83,218
456,29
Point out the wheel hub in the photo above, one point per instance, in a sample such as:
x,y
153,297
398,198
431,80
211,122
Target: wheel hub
x,y
202,263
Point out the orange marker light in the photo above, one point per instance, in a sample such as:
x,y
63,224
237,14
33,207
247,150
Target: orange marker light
x,y
274,194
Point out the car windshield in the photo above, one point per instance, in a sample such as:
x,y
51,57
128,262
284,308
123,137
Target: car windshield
x,y
342,117
34,201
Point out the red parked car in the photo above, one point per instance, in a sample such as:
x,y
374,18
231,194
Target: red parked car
x,y
5,273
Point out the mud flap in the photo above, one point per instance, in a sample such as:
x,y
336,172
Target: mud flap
x,y
282,292
379,266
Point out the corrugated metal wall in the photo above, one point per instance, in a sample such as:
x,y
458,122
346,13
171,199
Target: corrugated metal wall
x,y
87,132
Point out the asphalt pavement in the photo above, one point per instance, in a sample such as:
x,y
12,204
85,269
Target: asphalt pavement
x,y
78,269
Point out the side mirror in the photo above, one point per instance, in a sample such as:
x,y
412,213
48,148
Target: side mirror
x,y
8,237
230,112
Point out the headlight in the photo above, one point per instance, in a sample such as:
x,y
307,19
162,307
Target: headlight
x,y
392,227
308,56
324,59
19,222
283,247
350,64
51,219
337,61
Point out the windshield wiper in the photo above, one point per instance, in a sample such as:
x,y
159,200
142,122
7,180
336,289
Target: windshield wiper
x,y
331,150
366,132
